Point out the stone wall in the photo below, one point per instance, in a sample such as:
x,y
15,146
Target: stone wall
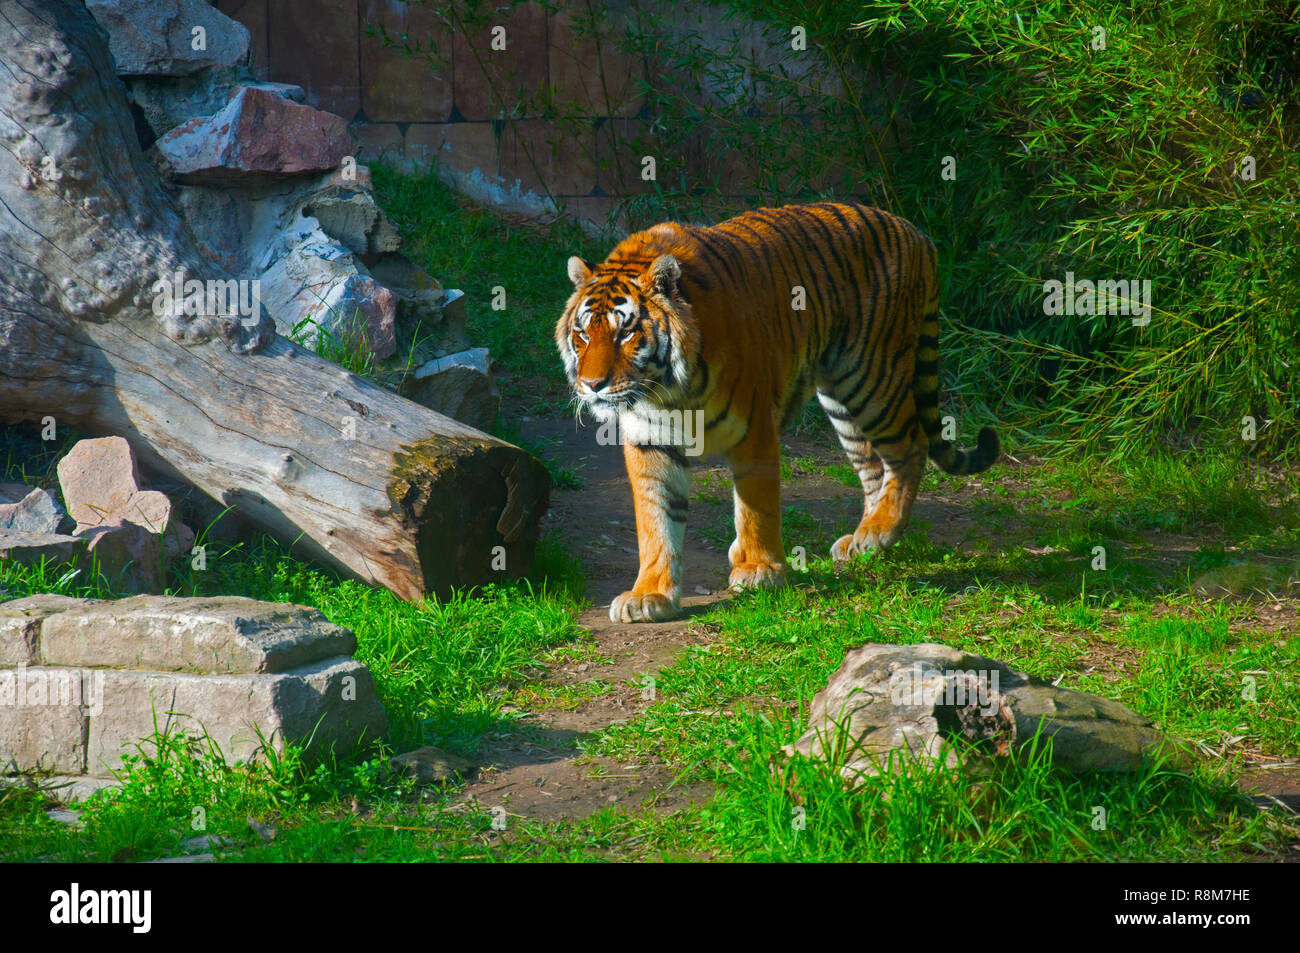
x,y
557,119
84,683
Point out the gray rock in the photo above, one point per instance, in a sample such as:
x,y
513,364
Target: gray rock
x,y
61,815
219,634
458,385
205,842
317,289
185,859
31,549
910,701
157,38
37,512
353,218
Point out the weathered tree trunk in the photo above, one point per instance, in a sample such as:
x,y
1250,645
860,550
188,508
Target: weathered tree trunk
x,y
373,484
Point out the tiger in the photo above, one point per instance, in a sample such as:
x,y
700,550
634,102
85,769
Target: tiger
x,y
741,323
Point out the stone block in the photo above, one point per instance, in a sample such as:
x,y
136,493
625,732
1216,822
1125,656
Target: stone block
x,y
331,703
219,634
44,714
20,625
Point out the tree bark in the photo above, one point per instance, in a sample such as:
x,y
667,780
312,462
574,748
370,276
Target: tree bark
x,y
375,485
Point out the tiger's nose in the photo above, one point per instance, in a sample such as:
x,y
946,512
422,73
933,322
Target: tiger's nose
x,y
594,384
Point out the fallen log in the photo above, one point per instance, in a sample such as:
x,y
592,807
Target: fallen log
x,y
97,332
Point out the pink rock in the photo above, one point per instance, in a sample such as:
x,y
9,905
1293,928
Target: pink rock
x,y
257,133
101,485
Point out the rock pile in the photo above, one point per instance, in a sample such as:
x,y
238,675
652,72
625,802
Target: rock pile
x,y
84,682
271,189
113,526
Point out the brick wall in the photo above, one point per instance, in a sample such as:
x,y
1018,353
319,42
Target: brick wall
x,y
478,111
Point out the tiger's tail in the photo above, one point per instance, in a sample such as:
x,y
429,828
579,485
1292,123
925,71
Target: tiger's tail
x,y
925,387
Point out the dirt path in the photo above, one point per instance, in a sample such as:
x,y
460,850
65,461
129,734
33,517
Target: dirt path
x,y
539,773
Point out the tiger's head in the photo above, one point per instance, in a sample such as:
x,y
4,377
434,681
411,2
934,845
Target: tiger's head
x,y
626,334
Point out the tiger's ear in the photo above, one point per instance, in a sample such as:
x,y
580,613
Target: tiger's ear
x,y
662,275
579,271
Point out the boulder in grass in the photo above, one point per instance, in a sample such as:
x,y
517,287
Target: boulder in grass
x,y
429,765
1248,579
889,703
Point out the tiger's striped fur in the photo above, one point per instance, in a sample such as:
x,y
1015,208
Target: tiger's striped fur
x,y
686,317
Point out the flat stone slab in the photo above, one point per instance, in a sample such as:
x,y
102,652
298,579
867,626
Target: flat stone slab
x,y
30,548
84,682
220,635
20,625
156,37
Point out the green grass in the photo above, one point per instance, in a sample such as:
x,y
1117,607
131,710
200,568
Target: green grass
x,y
725,710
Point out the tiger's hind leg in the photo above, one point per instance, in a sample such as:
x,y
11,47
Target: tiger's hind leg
x,y
890,469
864,460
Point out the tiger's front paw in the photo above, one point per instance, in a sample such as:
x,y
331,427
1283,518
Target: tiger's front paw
x,y
643,607
757,576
